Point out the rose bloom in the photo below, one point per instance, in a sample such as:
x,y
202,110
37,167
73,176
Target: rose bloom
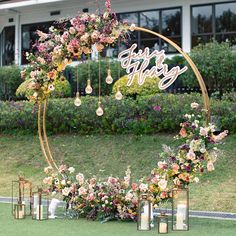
x,y
134,186
191,155
183,133
80,178
82,191
47,169
66,191
175,168
129,196
162,184
47,180
62,168
72,30
143,187
84,38
162,165
93,181
91,197
194,105
163,195
203,131
210,166
95,34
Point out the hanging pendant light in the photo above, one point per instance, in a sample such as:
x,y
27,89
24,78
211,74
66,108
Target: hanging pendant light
x,y
118,95
109,79
88,88
77,100
99,111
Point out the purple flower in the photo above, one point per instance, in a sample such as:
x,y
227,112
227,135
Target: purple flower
x,y
156,108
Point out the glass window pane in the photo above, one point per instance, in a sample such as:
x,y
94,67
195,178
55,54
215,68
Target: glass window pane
x,y
149,20
201,39
231,38
202,19
153,44
169,48
226,17
171,22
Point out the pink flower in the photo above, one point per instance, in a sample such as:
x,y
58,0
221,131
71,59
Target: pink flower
x,y
91,197
41,47
80,178
47,180
203,131
156,108
191,155
80,28
62,168
82,191
162,184
162,165
74,21
143,187
134,186
175,167
183,133
95,35
210,166
72,30
84,38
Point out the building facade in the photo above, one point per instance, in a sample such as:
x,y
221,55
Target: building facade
x,y
186,22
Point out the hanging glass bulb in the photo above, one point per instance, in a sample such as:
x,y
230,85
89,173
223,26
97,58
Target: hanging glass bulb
x,y
77,100
118,95
109,79
88,88
99,111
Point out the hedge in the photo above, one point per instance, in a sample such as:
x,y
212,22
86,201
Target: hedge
x,y
145,115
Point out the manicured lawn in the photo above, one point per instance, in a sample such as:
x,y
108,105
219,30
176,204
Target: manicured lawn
x,y
110,155
82,227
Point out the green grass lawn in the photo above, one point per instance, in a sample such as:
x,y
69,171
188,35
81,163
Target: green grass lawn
x,y
82,227
106,155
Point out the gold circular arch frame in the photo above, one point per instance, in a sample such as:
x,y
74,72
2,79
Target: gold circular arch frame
x,y
42,108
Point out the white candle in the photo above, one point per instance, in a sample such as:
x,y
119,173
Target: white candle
x,y
163,228
19,214
182,209
39,213
144,224
179,221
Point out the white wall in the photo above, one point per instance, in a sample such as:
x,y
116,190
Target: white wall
x,y
68,8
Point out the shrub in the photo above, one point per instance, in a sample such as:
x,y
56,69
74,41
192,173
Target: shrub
x,y
150,87
217,65
62,89
145,115
70,74
9,81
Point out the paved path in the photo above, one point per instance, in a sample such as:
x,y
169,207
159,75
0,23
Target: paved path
x,y
199,214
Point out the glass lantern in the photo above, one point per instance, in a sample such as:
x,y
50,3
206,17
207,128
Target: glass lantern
x,y
19,211
144,213
40,205
162,223
180,209
22,194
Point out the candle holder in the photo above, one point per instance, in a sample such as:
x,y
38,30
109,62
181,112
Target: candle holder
x,y
162,223
22,191
19,211
40,205
180,209
144,213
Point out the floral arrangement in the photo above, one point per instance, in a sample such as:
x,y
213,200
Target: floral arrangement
x,y
70,40
117,198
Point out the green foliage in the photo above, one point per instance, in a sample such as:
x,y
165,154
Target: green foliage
x,y
9,81
83,74
217,65
150,87
62,89
126,116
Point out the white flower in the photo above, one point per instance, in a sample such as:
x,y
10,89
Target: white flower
x,y
202,150
143,187
129,196
132,27
162,184
196,179
63,182
82,191
194,105
66,191
51,87
80,178
71,170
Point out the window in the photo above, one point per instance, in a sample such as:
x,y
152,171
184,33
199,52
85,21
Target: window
x,y
164,21
7,45
29,37
216,21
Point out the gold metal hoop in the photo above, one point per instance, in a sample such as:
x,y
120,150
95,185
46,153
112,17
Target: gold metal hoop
x,y
44,144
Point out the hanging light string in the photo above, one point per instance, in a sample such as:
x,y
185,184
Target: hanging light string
x,y
89,62
99,78
77,78
118,61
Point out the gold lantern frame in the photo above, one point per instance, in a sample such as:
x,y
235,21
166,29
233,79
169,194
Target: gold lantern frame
x,y
42,107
